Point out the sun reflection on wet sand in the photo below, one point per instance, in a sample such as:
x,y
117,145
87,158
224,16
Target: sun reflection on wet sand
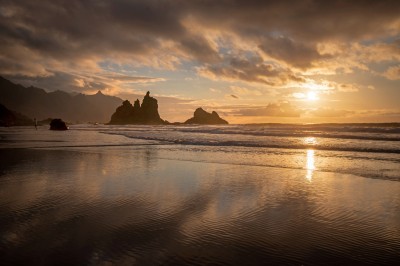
x,y
310,164
136,201
310,141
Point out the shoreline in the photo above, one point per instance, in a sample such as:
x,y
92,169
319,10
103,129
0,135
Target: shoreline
x,y
128,147
365,124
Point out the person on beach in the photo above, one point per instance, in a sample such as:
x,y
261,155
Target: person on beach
x,y
35,121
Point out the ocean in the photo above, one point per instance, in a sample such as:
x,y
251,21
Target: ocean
x,y
368,150
194,195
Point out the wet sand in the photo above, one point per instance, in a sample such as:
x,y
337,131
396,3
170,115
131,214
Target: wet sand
x,y
136,205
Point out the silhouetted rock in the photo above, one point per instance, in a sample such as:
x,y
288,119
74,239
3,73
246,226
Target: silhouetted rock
x,y
136,105
147,113
149,110
202,117
58,124
10,118
125,114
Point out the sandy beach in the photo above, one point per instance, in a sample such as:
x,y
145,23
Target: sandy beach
x,y
140,204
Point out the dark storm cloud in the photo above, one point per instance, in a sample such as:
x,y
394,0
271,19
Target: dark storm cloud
x,y
82,28
294,53
307,20
44,37
251,70
199,48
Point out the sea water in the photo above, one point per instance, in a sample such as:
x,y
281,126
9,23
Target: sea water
x,y
369,150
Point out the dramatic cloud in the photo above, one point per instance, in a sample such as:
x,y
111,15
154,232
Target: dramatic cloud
x,y
250,70
245,91
273,109
297,54
287,31
74,82
393,73
329,112
190,46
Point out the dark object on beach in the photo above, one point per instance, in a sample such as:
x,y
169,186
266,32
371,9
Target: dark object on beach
x,y
146,114
202,117
58,124
10,118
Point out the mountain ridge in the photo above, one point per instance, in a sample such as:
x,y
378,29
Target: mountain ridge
x,y
11,118
36,102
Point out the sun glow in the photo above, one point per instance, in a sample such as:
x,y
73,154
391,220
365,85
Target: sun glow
x,y
312,96
306,96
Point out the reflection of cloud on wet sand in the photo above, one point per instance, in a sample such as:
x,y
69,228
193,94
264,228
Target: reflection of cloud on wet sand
x,y
133,204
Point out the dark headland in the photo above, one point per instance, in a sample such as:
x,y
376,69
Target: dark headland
x,y
11,118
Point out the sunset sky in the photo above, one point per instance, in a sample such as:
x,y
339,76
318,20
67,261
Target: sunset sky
x,y
251,61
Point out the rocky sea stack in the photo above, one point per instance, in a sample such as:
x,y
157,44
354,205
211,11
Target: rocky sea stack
x,y
202,117
146,114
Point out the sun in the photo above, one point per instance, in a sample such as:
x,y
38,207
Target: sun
x,y
312,96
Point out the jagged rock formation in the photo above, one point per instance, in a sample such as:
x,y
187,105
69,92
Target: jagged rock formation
x,y
147,113
58,124
125,114
71,107
10,118
202,117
